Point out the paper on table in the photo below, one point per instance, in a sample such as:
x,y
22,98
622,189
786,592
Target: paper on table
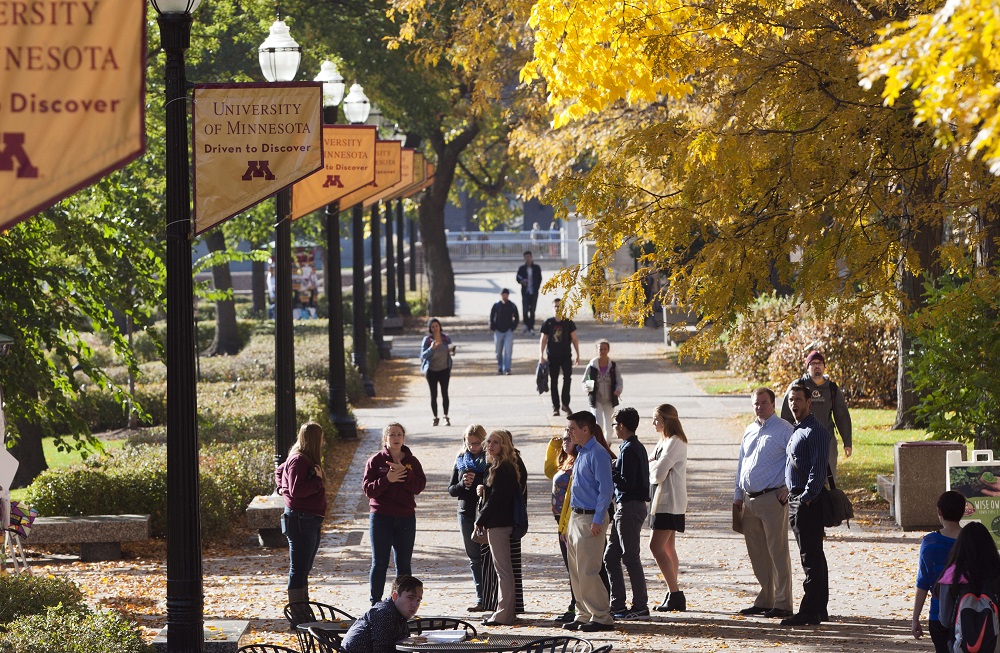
x,y
444,636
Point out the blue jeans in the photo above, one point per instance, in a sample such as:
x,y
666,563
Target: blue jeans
x,y
302,531
397,534
474,550
504,341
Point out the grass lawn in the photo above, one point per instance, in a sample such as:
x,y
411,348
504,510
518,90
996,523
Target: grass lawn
x,y
56,458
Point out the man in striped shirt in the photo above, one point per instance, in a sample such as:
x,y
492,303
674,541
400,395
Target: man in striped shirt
x,y
762,497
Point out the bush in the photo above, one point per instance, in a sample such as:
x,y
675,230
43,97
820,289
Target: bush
x,y
755,336
65,629
104,412
22,595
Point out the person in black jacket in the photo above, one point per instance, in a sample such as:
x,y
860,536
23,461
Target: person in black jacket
x,y
468,475
496,517
503,323
529,276
630,472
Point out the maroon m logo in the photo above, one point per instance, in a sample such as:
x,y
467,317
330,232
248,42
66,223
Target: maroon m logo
x,y
13,150
333,180
258,169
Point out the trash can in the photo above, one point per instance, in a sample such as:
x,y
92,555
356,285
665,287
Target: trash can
x,y
921,476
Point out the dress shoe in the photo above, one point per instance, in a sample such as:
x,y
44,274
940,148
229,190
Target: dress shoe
x,y
801,619
477,608
567,410
574,625
664,607
756,609
595,627
774,613
566,617
490,622
676,602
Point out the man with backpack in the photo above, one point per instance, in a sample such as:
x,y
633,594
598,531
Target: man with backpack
x,y
828,405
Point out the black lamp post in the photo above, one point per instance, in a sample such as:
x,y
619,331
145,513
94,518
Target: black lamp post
x,y
413,256
185,597
347,427
404,307
279,57
378,304
356,110
391,310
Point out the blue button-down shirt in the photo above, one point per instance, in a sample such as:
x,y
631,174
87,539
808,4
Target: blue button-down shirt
x,y
593,486
762,456
808,452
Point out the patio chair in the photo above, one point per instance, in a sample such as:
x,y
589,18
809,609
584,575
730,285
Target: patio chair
x,y
604,649
264,648
561,644
300,612
421,624
324,640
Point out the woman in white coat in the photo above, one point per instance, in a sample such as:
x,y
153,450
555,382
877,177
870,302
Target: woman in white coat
x,y
668,485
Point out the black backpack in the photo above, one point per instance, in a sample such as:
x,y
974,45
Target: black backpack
x,y
977,624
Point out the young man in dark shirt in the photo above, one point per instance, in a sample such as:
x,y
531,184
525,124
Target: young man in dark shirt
x,y
558,336
378,630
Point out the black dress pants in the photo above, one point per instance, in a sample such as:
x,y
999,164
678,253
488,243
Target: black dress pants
x,y
806,522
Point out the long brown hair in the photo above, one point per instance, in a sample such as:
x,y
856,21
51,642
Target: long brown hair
x,y
671,423
565,460
388,427
507,455
599,436
309,443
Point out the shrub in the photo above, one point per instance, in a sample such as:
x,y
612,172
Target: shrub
x,y
21,595
755,335
65,629
861,357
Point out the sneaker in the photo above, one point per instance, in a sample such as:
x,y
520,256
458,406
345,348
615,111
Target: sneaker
x,y
566,617
635,614
555,412
620,614
447,421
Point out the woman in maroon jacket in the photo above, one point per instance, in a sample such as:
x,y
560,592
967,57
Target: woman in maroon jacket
x,y
393,478
300,481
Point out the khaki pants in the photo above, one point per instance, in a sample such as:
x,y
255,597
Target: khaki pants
x,y
585,555
765,528
499,539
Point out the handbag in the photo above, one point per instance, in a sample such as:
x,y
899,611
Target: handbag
x,y
520,518
837,508
479,535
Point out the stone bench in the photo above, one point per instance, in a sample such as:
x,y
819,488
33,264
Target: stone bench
x,y
99,536
264,516
221,636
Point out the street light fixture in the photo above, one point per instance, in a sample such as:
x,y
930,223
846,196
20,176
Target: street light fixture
x,y
185,595
347,427
279,57
356,105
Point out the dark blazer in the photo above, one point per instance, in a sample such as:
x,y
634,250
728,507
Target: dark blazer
x,y
496,508
536,277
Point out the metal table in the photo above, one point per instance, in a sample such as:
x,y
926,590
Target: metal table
x,y
485,642
340,626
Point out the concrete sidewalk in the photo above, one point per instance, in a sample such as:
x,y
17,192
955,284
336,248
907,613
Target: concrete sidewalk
x,y
872,570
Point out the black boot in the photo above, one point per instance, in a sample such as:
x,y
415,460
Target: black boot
x,y
665,606
676,602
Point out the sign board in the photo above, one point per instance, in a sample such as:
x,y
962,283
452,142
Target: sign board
x,y
251,141
405,179
348,164
387,173
72,95
978,480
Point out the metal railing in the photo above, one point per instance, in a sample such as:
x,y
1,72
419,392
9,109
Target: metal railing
x,y
506,245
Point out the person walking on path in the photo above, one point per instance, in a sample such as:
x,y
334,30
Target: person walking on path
x,y
559,459
668,486
379,629
586,537
529,277
467,476
503,324
934,551
805,475
557,344
761,499
300,481
630,473
496,518
435,362
393,478
603,383
828,405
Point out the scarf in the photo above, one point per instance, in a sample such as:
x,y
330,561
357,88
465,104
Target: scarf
x,y
466,462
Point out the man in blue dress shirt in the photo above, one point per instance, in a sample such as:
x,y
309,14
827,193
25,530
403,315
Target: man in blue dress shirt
x,y
586,536
762,498
805,475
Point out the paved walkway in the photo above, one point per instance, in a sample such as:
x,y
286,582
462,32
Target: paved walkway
x,y
872,571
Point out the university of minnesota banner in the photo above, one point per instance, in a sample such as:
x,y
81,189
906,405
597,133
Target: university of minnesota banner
x,y
72,92
250,141
388,155
348,164
405,179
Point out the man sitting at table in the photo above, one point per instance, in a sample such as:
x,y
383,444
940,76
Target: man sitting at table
x,y
378,630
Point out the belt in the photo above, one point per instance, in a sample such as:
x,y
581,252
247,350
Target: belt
x,y
582,511
754,495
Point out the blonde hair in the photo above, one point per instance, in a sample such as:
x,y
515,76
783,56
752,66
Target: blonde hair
x,y
507,455
671,423
388,427
472,430
309,443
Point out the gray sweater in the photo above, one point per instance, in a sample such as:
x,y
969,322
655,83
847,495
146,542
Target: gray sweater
x,y
828,405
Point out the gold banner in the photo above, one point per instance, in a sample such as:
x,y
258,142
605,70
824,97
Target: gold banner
x,y
72,93
250,141
349,164
387,173
419,176
405,179
428,178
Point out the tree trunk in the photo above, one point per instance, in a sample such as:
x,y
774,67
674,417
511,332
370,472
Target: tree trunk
x,y
28,452
258,288
437,262
227,336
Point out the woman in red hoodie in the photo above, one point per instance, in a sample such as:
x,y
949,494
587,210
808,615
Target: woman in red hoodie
x,y
393,478
300,481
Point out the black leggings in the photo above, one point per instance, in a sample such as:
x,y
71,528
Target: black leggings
x,y
433,379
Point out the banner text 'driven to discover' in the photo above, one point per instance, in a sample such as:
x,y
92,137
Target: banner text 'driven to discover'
x,y
349,164
406,161
388,155
72,92
251,141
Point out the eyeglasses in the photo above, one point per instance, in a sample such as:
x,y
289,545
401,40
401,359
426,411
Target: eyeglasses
x,y
567,439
